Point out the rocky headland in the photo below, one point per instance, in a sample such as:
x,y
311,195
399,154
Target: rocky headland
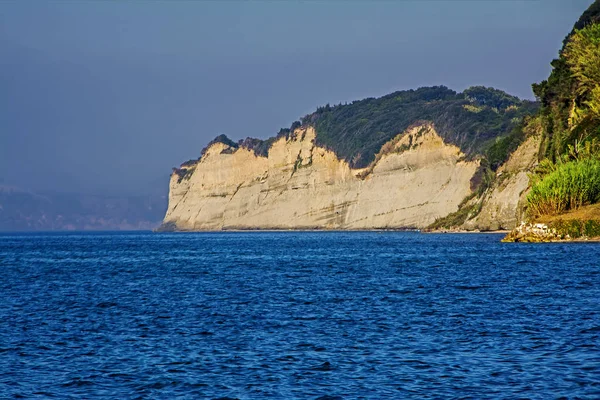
x,y
430,159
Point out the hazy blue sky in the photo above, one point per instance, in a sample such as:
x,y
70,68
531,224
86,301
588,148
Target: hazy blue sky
x,y
108,96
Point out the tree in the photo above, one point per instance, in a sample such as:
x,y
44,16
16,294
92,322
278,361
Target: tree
x,y
582,55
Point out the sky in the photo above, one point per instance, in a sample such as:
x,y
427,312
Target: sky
x,y
106,97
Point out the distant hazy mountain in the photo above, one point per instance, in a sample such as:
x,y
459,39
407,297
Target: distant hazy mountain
x,y
23,210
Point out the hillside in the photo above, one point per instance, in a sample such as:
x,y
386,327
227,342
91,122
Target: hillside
x,y
416,178
565,177
473,120
568,176
399,161
508,159
570,97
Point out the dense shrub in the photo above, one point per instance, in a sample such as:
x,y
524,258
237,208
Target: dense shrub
x,y
471,120
570,97
503,147
577,228
569,177
356,132
466,209
569,186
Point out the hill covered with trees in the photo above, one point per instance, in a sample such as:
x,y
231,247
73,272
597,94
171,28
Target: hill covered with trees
x,y
568,176
486,124
481,121
473,120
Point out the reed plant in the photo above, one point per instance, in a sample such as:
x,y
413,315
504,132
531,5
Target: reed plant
x,y
569,186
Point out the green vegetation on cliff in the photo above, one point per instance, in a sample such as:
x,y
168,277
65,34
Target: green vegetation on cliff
x,y
568,177
568,122
477,120
583,222
569,97
485,123
569,186
472,120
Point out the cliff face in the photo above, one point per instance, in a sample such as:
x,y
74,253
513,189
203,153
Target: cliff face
x,y
503,206
415,179
332,178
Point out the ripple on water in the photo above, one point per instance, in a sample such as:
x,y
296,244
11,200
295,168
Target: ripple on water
x,y
297,315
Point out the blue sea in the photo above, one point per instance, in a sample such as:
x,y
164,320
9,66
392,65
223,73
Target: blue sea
x,y
297,315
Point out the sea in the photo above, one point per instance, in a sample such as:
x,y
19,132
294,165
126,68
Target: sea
x,y
297,315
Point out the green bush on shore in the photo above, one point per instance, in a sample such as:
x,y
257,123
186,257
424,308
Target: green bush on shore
x,y
570,186
577,228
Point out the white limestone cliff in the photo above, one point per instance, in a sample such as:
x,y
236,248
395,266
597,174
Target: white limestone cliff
x,y
503,206
415,179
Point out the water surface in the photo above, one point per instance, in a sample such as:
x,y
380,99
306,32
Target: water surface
x,y
287,315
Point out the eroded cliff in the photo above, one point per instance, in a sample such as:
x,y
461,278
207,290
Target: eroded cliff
x,y
415,178
502,207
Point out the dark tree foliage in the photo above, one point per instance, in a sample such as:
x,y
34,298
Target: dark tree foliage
x,y
260,147
356,131
504,146
491,97
558,95
473,120
590,16
569,176
555,99
295,125
220,139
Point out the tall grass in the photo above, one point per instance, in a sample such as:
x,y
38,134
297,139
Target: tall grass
x,y
570,186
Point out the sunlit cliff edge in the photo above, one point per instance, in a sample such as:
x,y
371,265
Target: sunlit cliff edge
x,y
406,160
415,179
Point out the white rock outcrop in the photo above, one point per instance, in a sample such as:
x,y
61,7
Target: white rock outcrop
x,y
303,186
503,206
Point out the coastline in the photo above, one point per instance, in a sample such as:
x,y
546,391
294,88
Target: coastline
x,y
415,230
506,238
560,231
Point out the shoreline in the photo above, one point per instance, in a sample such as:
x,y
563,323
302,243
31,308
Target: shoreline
x,y
424,231
572,231
381,230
